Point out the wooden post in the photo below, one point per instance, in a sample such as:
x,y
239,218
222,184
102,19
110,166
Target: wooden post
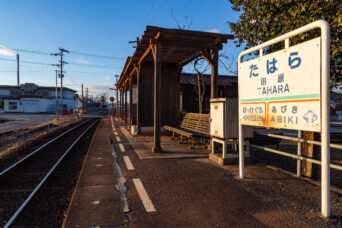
x,y
125,92
212,59
121,105
130,102
138,98
181,101
214,73
157,93
311,151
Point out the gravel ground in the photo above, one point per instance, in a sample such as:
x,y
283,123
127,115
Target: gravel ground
x,y
30,142
50,204
18,184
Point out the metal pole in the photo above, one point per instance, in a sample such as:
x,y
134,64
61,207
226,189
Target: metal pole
x,y
241,155
18,78
299,153
325,134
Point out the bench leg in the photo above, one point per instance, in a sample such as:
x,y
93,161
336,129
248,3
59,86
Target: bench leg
x,y
181,139
193,143
173,136
205,143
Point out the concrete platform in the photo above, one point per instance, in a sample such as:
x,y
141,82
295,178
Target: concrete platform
x,y
181,187
96,201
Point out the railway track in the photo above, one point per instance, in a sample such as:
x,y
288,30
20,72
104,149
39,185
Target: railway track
x,y
20,182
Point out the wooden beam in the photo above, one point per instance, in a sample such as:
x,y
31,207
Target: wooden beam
x,y
145,54
207,57
170,51
189,59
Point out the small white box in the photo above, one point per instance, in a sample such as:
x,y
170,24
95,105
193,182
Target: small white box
x,y
224,119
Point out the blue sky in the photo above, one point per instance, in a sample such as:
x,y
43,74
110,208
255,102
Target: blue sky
x,y
100,27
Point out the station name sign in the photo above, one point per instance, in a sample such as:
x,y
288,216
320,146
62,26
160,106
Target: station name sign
x,y
283,89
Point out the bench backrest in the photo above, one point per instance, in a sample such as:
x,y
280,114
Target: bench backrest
x,y
195,122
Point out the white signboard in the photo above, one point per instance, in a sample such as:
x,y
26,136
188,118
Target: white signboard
x,y
134,94
282,89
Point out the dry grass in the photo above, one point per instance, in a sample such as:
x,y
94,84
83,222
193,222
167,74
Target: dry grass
x,y
14,142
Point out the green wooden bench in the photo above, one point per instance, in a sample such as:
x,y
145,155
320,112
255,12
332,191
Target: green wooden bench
x,y
193,126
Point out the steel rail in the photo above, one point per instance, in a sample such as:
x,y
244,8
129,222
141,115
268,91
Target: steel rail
x,y
41,147
28,199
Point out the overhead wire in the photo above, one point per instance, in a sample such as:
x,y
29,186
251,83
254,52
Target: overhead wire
x,y
70,63
96,55
71,52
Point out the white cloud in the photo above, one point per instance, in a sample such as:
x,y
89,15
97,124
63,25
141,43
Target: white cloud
x,y
70,83
108,78
94,89
214,30
99,89
82,60
6,51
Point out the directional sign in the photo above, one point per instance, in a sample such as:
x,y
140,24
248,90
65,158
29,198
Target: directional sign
x,y
283,89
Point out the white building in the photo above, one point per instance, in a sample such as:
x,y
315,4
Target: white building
x,y
31,98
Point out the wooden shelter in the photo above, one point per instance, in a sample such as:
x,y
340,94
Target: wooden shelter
x,y
152,74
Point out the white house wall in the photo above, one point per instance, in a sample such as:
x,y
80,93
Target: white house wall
x,y
44,105
6,105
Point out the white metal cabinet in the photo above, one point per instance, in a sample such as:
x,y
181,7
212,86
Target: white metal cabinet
x,y
224,121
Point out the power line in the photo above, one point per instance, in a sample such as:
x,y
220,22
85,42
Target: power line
x,y
24,61
159,11
69,63
95,66
96,55
85,72
31,51
71,52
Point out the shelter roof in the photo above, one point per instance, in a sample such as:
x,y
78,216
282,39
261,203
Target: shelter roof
x,y
178,46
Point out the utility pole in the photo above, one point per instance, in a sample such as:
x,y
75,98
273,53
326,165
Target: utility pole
x,y
86,101
61,75
56,95
18,78
82,101
117,95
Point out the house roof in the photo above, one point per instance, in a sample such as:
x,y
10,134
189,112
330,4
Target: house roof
x,y
39,87
222,80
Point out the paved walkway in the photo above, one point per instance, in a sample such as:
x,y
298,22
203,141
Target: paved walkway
x,y
183,188
96,201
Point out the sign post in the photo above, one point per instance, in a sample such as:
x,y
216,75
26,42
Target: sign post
x,y
112,100
289,89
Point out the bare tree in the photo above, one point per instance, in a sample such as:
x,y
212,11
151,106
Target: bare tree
x,y
198,82
185,25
